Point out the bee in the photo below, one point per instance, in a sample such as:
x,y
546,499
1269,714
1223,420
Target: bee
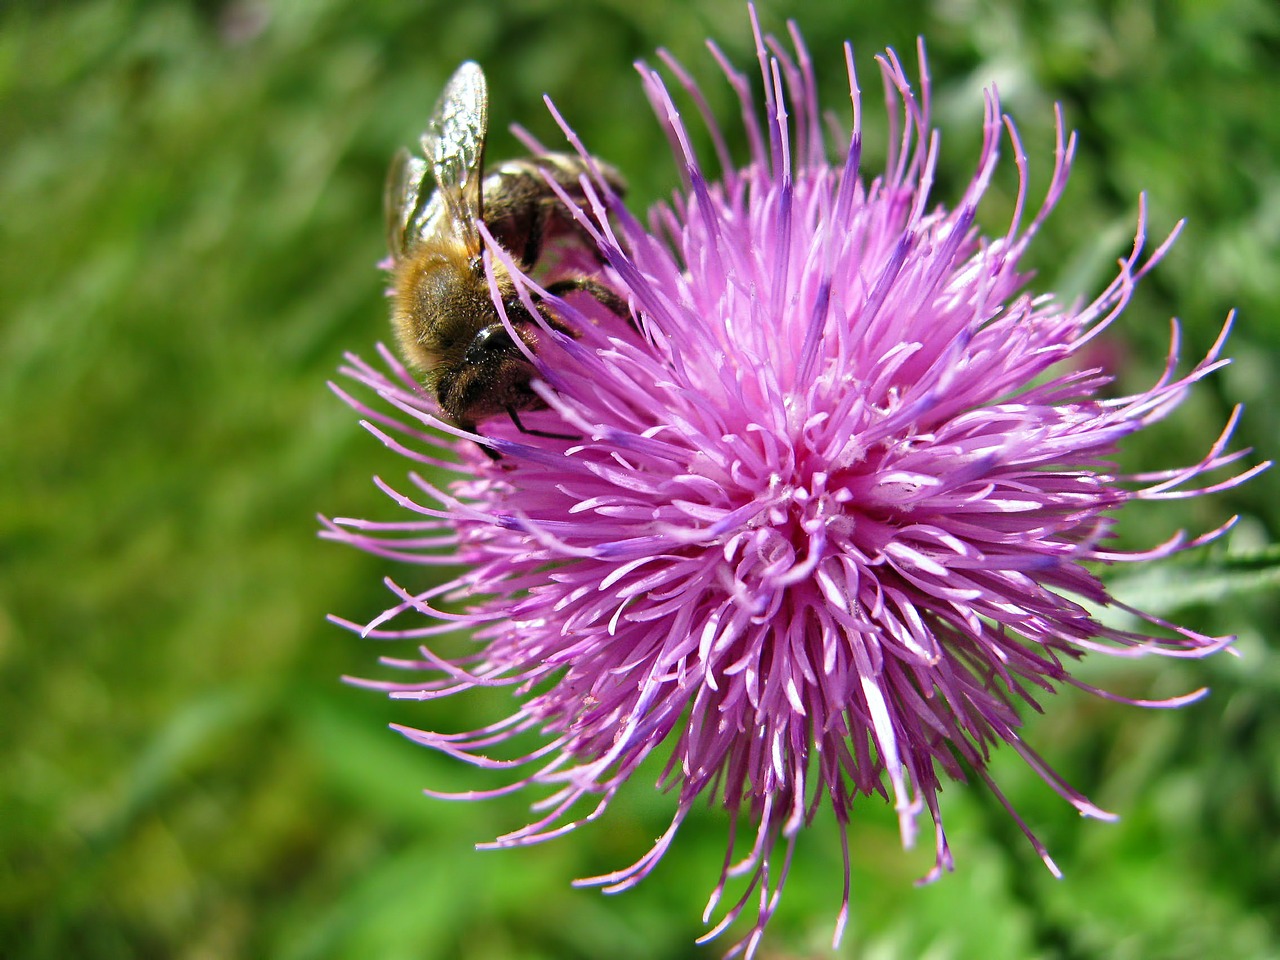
x,y
444,316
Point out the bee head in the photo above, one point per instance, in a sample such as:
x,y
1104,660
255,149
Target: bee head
x,y
493,346
491,376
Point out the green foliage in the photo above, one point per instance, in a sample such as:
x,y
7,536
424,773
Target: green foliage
x,y
190,220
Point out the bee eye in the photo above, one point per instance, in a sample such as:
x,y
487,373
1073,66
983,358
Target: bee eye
x,y
489,342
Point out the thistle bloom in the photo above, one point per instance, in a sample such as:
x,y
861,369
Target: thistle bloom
x,y
817,523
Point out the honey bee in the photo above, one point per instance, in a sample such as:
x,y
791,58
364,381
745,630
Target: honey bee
x,y
444,316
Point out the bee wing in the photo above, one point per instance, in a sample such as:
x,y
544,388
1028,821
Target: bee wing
x,y
404,200
454,147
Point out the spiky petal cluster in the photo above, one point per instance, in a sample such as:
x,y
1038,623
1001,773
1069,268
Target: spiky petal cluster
x,y
824,519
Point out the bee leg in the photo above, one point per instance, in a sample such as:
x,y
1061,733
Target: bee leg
x,y
488,450
515,418
533,241
606,297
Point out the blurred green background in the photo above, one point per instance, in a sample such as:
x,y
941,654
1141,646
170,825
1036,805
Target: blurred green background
x,y
189,221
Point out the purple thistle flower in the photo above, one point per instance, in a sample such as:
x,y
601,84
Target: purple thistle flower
x,y
816,526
